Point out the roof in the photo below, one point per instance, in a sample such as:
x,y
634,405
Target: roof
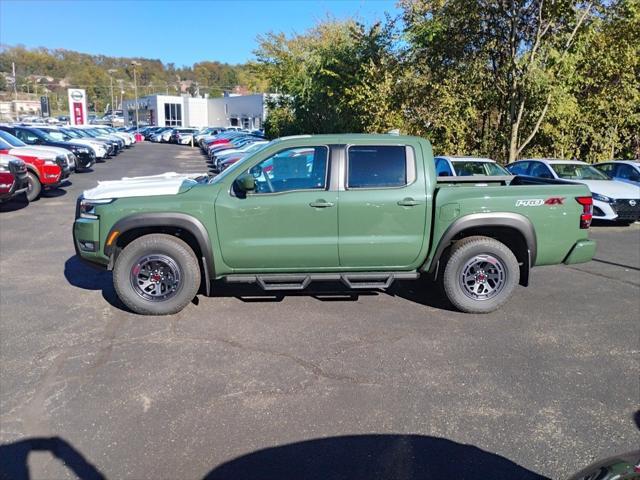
x,y
552,161
347,138
461,158
633,163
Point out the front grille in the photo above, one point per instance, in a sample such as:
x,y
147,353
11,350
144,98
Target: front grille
x,y
627,209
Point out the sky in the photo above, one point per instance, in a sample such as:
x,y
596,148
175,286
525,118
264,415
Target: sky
x,y
181,32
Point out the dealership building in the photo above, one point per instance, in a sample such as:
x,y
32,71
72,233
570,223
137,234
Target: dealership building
x,y
245,111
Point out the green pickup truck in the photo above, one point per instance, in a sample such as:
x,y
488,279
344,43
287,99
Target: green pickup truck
x,y
363,210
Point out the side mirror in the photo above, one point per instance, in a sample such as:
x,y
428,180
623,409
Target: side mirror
x,y
245,183
256,171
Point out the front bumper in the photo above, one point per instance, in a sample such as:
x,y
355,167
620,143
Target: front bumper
x,y
86,232
85,160
51,175
583,251
620,209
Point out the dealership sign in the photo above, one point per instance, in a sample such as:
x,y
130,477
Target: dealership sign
x,y
77,106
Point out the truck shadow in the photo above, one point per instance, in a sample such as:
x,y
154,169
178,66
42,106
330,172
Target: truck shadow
x,y
81,275
17,203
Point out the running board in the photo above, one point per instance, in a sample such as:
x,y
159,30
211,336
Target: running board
x,y
296,281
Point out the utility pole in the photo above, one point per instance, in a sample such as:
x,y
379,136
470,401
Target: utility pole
x,y
134,64
111,71
15,83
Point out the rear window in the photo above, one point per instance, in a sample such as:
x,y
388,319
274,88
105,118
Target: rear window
x,y
377,166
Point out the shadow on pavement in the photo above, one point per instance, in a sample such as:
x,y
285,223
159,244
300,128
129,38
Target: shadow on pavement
x,y
422,291
17,203
14,458
53,193
81,275
369,457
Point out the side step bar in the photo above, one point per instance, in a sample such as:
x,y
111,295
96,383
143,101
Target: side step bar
x,y
297,281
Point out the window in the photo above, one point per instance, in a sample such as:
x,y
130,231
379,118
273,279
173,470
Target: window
x,y
27,137
577,171
518,168
302,168
173,114
627,172
607,169
377,166
540,170
470,168
442,167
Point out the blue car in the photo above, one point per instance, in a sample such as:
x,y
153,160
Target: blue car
x,y
627,171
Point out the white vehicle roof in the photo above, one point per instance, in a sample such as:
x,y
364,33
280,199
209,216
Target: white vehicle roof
x,y
633,163
456,158
552,161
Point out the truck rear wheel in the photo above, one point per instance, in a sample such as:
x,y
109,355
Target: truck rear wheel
x,y
34,187
480,274
156,274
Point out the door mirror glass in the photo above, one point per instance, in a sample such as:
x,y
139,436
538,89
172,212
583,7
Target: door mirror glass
x,y
256,171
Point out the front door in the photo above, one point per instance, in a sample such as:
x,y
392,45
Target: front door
x,y
383,208
289,223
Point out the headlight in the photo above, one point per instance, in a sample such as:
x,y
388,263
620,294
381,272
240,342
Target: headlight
x,y
601,198
88,207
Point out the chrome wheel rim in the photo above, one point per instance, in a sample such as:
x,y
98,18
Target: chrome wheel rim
x,y
483,277
155,277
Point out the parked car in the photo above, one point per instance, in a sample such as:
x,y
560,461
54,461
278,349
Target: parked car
x,y
183,136
84,157
224,159
272,219
61,156
103,148
465,166
116,144
627,171
613,201
96,146
162,136
13,177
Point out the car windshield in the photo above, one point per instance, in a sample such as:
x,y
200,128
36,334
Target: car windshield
x,y
11,140
71,133
465,169
57,135
577,171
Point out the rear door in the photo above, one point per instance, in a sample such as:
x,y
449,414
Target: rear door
x,y
382,207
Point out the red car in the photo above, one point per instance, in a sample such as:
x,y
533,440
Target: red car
x,y
42,173
13,177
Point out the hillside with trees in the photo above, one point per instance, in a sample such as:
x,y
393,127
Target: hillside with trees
x,y
48,71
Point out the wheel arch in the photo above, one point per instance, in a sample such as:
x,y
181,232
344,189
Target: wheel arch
x,y
514,230
187,228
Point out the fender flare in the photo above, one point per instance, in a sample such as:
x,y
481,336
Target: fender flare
x,y
176,220
514,221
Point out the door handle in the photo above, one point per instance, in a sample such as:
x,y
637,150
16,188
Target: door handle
x,y
408,202
321,204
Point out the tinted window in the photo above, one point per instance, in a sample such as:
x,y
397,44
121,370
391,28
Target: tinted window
x,y
577,171
607,168
628,173
442,167
540,170
303,168
519,168
377,166
465,169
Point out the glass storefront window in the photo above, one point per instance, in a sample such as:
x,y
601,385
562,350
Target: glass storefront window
x,y
173,114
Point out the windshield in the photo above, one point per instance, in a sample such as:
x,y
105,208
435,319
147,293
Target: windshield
x,y
11,140
236,166
577,171
57,135
70,133
465,169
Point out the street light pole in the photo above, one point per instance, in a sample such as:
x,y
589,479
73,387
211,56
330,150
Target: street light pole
x,y
111,71
135,89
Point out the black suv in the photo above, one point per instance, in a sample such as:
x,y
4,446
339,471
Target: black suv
x,y
85,157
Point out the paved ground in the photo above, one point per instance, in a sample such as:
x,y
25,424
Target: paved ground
x,y
386,386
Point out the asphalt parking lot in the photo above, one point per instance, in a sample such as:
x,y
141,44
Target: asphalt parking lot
x,y
385,385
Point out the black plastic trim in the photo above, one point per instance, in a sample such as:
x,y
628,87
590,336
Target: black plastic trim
x,y
177,220
494,219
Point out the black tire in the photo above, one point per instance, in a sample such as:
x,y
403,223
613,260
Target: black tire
x,y
494,286
165,246
34,186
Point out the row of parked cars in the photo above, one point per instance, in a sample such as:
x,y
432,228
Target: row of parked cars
x,y
37,157
615,185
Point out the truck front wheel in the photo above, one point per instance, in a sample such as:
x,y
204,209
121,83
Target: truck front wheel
x,y
480,274
156,274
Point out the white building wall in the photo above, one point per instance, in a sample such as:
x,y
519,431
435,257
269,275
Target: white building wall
x,y
195,112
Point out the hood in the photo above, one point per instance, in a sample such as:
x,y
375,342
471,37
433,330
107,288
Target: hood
x,y
170,183
48,154
612,188
46,148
